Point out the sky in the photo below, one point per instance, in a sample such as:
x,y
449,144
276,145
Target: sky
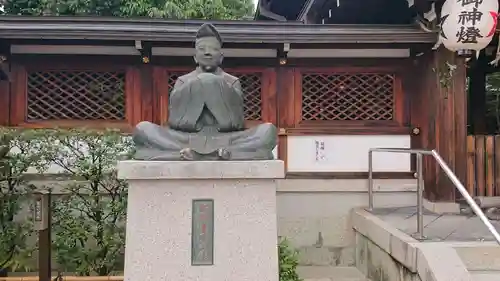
x,y
255,3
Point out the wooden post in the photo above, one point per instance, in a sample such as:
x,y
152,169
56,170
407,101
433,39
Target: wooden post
x,y
443,119
477,99
285,107
146,95
4,103
42,214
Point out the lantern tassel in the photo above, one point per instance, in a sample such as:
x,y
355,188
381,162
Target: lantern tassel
x,y
497,55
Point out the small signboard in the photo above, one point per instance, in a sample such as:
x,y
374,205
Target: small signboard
x,y
202,237
41,211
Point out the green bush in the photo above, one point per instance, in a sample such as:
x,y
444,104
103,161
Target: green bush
x,y
88,220
288,261
19,151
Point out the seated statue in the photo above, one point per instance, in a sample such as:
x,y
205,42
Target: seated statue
x,y
206,118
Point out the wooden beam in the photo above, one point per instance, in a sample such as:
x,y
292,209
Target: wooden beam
x,y
349,175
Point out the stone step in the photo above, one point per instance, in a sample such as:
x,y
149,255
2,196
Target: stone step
x,y
330,273
493,275
480,256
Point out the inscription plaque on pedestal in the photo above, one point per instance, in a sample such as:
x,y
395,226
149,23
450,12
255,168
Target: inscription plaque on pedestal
x,y
202,235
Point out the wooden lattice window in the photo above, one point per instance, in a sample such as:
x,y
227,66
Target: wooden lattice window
x,y
339,96
75,95
251,84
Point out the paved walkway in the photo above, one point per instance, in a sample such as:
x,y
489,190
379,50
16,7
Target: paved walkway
x,y
448,227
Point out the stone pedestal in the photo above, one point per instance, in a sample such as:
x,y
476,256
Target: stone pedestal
x,y
236,218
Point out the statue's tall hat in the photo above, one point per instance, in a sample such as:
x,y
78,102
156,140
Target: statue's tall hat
x,y
208,30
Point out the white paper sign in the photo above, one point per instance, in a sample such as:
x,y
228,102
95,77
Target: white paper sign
x,y
320,154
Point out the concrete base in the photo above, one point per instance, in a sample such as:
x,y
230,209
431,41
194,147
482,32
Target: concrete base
x,y
159,225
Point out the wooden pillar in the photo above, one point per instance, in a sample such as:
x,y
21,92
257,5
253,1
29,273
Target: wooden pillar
x,y
45,241
413,93
140,94
477,100
5,101
285,88
146,95
160,95
441,113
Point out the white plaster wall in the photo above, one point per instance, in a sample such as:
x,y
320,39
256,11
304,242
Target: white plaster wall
x,y
346,153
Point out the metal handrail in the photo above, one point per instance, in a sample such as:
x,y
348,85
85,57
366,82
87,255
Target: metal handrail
x,y
420,186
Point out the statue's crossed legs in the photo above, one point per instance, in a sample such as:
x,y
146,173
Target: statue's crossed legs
x,y
255,143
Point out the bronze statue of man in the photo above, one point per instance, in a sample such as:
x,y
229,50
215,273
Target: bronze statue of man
x,y
206,117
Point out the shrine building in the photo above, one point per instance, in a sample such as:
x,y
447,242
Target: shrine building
x,y
336,77
345,76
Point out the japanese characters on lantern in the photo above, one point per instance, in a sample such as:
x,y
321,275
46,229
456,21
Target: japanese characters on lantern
x,y
468,24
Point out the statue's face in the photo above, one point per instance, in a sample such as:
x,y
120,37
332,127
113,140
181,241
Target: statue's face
x,y
208,53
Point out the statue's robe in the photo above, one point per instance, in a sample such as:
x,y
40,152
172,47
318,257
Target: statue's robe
x,y
205,114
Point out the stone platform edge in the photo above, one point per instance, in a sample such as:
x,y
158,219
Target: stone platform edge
x,y
188,170
432,261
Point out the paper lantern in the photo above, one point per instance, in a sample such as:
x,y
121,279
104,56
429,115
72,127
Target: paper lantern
x,y
468,24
